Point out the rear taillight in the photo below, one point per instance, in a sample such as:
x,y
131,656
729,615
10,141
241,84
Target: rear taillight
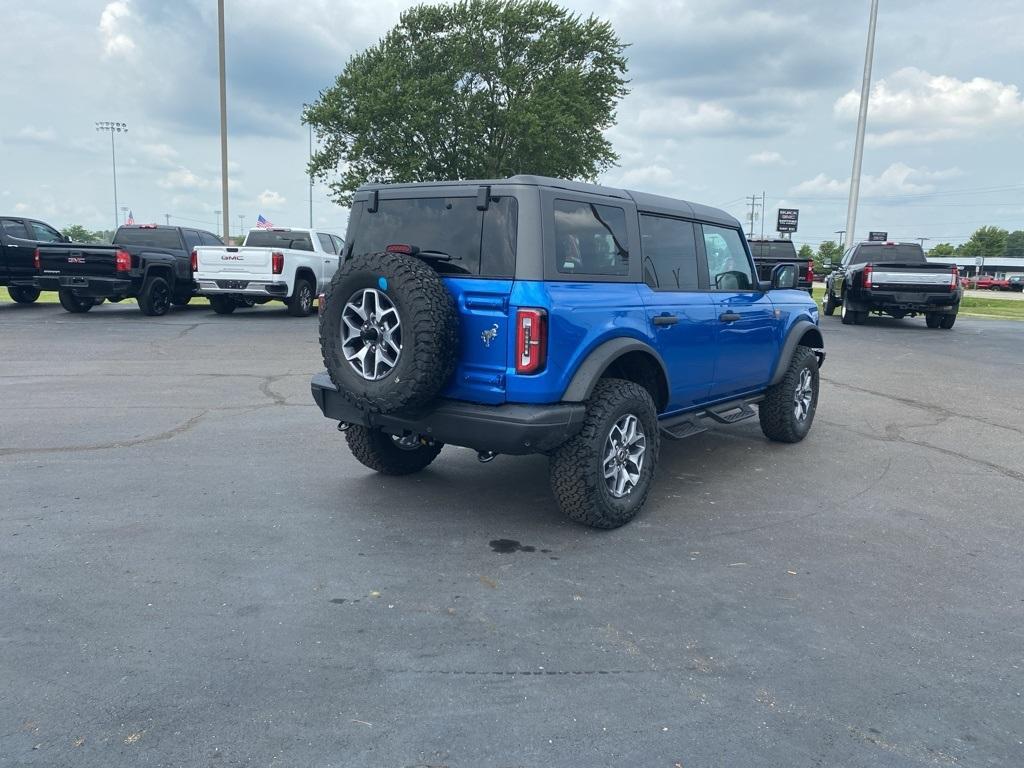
x,y
37,262
277,262
194,261
122,261
408,250
531,340
954,278
867,276
810,271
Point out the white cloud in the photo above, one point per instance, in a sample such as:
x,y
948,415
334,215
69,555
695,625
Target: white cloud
x,y
918,107
897,179
767,157
116,42
37,135
21,208
645,177
271,200
183,178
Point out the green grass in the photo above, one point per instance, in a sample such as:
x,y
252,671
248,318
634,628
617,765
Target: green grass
x,y
50,297
1002,309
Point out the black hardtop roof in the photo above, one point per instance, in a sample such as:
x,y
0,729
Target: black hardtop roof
x,y
644,201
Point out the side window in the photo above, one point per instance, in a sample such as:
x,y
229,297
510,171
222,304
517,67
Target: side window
x,y
670,253
590,239
728,265
44,234
498,238
326,242
208,239
191,238
14,228
339,244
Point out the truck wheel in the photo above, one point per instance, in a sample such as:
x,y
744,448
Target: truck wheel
x,y
181,301
602,476
787,411
849,315
223,305
932,319
947,321
388,332
73,303
388,454
23,294
155,299
300,304
828,304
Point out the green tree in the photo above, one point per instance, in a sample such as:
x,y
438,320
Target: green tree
x,y
476,89
989,242
79,234
827,251
1015,244
806,253
942,249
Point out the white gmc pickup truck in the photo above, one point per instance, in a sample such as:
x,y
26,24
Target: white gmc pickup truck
x,y
278,264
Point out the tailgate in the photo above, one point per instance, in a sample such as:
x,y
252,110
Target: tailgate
x,y
251,262
916,278
85,261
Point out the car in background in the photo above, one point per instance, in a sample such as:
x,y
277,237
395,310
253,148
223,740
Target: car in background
x,y
1016,283
768,254
989,283
19,238
292,265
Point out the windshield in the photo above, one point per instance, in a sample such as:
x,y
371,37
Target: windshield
x,y
475,242
760,250
284,239
876,253
149,237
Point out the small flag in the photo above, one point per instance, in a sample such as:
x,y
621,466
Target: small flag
x,y
262,223
131,219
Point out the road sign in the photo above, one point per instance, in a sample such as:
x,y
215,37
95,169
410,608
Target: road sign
x,y
878,237
977,261
788,219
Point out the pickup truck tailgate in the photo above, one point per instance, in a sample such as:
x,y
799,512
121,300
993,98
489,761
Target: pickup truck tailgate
x,y
918,278
233,261
72,260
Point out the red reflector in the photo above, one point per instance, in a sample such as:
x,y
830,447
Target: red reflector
x,y
36,261
399,248
122,261
810,270
194,261
277,262
531,340
867,276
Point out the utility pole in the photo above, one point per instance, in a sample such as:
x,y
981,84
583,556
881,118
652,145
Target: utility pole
x,y
167,217
241,225
217,222
112,128
840,232
223,119
762,214
862,119
753,205
311,176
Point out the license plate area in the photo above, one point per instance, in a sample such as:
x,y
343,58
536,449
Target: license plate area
x,y
233,285
79,281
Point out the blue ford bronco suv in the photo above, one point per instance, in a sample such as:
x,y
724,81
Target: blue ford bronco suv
x,y
536,315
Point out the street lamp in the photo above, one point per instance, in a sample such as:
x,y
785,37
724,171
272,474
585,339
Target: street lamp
x,y
922,239
840,232
241,225
112,128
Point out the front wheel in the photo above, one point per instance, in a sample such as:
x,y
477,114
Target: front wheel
x,y
828,304
74,303
23,294
301,302
389,454
155,299
787,411
602,476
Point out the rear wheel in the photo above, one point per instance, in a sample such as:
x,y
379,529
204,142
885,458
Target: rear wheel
x,y
933,319
23,294
787,411
947,321
74,303
389,454
602,476
155,299
849,315
828,304
301,302
223,305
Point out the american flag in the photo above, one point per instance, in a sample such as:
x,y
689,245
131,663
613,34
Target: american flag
x,y
131,219
262,223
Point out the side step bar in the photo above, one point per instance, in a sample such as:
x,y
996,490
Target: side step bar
x,y
689,424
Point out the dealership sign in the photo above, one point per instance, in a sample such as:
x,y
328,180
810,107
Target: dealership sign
x,y
878,237
788,218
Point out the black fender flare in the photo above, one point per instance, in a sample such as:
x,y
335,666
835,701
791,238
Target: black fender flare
x,y
799,330
589,372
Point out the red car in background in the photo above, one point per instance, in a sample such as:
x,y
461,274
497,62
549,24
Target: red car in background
x,y
987,282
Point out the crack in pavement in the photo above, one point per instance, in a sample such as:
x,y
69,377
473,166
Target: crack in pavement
x,y
278,399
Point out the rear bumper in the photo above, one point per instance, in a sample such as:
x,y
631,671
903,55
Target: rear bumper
x,y
510,428
909,302
96,287
209,286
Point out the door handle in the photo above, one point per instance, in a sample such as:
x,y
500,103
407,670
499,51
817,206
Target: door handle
x,y
729,317
665,320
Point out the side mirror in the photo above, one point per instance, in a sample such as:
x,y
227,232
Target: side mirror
x,y
826,264
785,276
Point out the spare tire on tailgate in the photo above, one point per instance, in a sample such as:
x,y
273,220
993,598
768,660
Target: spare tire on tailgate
x,y
388,332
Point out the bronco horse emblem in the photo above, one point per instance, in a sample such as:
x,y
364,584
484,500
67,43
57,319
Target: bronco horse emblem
x,y
489,335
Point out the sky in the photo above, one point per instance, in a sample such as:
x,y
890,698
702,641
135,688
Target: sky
x,y
728,99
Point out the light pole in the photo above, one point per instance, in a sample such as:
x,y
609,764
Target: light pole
x,y
840,232
124,213
311,176
223,120
217,222
922,239
112,128
241,225
862,119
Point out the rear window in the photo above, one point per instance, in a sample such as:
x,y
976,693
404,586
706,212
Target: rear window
x,y
772,250
269,238
473,242
880,252
590,239
150,238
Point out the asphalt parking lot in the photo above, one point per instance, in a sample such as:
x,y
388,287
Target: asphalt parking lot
x,y
195,572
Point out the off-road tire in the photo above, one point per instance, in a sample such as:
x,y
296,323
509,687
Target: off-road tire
x,y
828,304
576,467
777,411
947,321
430,331
381,453
847,314
300,304
223,305
155,298
932,319
73,303
23,294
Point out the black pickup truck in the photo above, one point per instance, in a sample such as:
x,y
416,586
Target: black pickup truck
x,y
19,238
768,254
148,262
893,279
